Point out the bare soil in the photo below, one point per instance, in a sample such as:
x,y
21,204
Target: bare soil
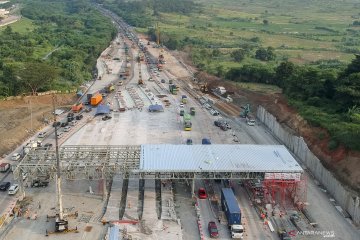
x,y
15,118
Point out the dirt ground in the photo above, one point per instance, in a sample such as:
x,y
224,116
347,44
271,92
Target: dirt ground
x,y
16,115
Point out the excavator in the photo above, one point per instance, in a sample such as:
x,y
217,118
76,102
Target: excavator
x,y
204,88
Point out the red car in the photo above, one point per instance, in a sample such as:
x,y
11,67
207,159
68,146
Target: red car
x,y
213,231
202,193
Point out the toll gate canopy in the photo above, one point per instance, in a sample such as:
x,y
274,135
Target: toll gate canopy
x,y
165,161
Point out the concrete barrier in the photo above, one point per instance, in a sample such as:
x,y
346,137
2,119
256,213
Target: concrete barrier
x,y
347,199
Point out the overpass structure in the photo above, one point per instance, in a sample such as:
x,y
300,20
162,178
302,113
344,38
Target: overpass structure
x,y
163,161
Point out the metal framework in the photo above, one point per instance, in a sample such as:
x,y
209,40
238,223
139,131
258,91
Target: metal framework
x,y
99,162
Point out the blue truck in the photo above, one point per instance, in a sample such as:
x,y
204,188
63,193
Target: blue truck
x,y
232,211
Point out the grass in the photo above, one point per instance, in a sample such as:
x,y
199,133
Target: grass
x,y
295,30
24,25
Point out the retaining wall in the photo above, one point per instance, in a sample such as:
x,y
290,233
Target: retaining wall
x,y
346,198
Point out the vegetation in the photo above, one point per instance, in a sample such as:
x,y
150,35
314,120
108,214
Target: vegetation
x,y
54,46
264,43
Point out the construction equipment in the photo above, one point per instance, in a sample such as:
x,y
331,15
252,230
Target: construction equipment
x,y
204,88
77,107
245,111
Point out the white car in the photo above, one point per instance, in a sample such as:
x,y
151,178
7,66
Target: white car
x,y
42,135
181,105
15,156
13,189
73,123
67,128
60,134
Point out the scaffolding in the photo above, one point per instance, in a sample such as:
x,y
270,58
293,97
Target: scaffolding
x,y
286,192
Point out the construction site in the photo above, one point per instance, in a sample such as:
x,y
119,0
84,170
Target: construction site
x,y
151,152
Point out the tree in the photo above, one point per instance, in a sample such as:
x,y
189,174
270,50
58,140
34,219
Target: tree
x,y
37,75
266,22
265,54
238,55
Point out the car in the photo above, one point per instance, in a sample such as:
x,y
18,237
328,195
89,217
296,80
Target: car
x,y
13,189
67,129
4,186
205,141
70,119
60,134
42,135
106,117
15,156
202,193
70,114
217,123
64,124
189,141
213,230
73,123
79,117
158,74
48,145
39,183
163,81
181,105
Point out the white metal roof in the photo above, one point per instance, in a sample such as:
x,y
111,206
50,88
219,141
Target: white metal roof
x,y
217,158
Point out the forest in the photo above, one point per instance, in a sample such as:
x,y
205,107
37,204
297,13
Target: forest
x,y
59,51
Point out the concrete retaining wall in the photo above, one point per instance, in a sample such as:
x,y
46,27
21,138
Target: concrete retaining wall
x,y
346,198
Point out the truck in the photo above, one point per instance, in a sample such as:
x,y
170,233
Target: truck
x,y
173,89
184,99
4,167
231,208
187,122
96,99
192,111
77,107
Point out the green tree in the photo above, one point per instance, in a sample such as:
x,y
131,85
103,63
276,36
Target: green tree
x,y
38,75
238,55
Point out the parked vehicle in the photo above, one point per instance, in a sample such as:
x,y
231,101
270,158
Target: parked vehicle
x,y
213,230
42,135
79,117
70,114
202,193
4,167
205,141
223,127
13,189
189,141
56,124
96,99
182,112
67,129
60,134
15,156
232,211
64,124
4,186
162,80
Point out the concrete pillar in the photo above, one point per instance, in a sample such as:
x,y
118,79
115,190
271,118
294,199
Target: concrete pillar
x,y
21,184
104,186
193,187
